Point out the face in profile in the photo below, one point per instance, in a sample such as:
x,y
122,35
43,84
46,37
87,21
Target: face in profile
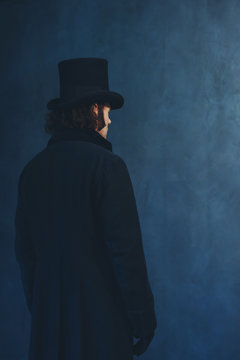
x,y
106,111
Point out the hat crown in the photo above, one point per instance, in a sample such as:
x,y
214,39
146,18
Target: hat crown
x,y
82,74
84,81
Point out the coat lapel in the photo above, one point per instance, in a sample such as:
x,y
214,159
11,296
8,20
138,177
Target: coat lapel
x,y
76,134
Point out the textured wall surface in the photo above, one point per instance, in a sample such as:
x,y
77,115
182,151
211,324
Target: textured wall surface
x,y
177,65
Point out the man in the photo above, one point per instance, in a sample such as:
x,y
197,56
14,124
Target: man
x,y
78,238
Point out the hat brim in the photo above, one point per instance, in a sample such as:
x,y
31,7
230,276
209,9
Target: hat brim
x,y
115,100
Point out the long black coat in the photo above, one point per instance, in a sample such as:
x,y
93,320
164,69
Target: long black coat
x,y
79,247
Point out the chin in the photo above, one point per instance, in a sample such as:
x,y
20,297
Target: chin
x,y
103,133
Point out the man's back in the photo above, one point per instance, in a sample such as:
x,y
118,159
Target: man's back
x,y
78,241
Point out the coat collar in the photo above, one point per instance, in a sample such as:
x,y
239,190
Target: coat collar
x,y
78,134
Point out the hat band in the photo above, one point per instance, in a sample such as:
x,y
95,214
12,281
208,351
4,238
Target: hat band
x,y
79,91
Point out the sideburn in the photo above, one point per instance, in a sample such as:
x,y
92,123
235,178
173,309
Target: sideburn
x,y
100,120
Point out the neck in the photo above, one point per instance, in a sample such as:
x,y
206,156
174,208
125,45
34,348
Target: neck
x,y
81,134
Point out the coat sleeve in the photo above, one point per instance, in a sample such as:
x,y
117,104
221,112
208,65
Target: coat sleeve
x,y
122,234
23,248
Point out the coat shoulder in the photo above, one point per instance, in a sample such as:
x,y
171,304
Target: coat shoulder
x,y
94,154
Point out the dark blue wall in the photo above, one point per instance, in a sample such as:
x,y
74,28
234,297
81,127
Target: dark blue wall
x,y
177,63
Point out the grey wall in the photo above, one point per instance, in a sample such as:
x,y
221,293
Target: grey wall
x,y
177,63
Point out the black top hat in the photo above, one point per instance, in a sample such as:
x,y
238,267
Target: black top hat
x,y
84,80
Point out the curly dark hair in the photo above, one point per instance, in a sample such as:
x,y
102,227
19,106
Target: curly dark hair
x,y
81,116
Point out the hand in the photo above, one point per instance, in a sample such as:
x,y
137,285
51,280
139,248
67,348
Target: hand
x,y
142,344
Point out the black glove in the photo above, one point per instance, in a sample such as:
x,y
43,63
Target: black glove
x,y
142,344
